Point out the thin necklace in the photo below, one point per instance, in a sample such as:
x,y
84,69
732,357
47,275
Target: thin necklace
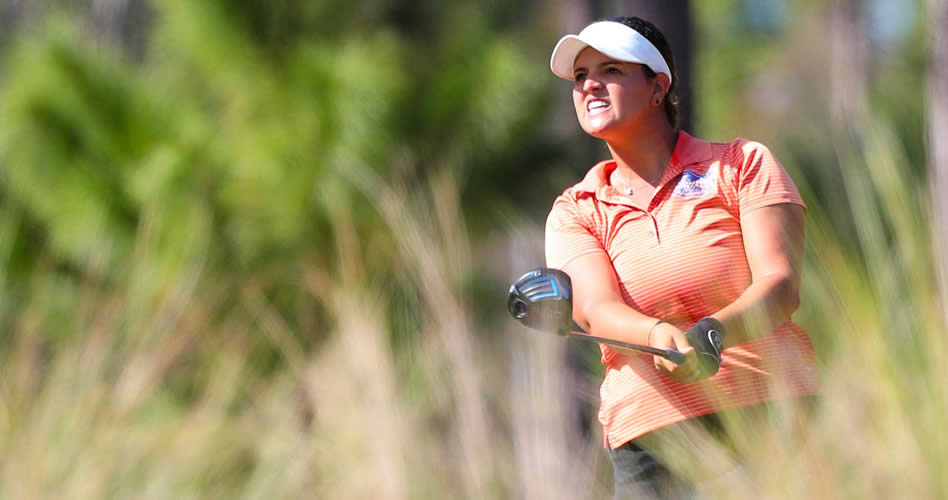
x,y
629,191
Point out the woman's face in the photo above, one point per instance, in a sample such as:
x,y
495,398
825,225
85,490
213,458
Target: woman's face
x,y
612,98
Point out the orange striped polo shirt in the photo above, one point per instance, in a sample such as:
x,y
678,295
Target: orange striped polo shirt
x,y
680,260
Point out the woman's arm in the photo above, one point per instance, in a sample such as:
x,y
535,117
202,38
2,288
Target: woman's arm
x,y
774,239
598,308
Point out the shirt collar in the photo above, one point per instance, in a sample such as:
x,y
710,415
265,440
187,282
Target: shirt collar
x,y
688,151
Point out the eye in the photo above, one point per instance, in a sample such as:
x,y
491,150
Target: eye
x,y
613,70
579,76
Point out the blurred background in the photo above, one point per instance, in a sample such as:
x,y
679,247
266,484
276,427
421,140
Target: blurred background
x,y
261,249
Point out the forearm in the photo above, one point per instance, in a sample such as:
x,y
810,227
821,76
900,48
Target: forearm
x,y
616,320
763,306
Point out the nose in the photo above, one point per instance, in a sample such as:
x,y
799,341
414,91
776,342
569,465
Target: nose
x,y
590,84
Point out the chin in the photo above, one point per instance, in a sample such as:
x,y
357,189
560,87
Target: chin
x,y
597,132
599,127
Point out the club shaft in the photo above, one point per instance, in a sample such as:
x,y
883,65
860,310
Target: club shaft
x,y
669,354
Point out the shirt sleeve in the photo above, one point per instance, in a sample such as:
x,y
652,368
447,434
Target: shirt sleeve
x,y
568,235
762,180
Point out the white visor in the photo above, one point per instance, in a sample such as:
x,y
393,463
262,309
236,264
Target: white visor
x,y
613,39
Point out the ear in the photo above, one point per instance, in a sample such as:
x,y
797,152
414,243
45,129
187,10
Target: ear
x,y
660,86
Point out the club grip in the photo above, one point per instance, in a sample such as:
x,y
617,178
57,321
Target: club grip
x,y
675,356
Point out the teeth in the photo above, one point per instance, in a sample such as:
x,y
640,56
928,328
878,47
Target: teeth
x,y
596,105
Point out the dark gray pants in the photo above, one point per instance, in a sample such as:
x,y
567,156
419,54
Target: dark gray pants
x,y
640,473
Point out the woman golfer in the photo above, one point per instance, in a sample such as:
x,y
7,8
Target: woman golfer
x,y
674,242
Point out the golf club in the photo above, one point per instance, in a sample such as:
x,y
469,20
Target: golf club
x,y
542,299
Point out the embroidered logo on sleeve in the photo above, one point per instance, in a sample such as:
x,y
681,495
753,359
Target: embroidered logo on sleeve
x,y
695,185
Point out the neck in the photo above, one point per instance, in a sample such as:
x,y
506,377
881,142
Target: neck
x,y
643,156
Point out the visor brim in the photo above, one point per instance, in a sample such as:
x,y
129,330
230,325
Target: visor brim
x,y
564,55
611,39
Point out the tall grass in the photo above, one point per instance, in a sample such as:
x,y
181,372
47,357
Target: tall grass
x,y
160,398
110,391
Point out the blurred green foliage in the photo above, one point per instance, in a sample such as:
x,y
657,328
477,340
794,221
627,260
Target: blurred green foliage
x,y
249,132
259,257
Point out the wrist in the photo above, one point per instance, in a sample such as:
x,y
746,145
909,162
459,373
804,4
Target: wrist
x,y
651,331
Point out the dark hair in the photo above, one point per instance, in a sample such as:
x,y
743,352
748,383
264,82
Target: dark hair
x,y
652,34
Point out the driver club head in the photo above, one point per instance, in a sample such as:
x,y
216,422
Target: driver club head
x,y
543,299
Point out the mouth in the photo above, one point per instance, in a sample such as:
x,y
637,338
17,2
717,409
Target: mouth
x,y
596,106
